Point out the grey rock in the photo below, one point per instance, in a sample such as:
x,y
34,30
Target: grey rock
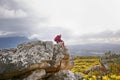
x,y
36,75
38,58
24,55
65,75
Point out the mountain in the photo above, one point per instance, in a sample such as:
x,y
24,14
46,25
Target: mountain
x,y
11,42
93,49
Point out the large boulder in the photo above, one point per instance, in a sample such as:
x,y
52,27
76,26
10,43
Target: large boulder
x,y
34,60
65,75
25,55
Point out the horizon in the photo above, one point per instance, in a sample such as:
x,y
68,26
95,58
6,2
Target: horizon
x,y
29,40
94,49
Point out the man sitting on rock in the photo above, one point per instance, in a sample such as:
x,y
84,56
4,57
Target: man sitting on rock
x,y
58,39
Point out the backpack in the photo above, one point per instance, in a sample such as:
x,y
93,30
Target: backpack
x,y
55,39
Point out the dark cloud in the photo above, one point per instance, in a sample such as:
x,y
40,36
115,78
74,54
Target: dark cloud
x,y
102,37
19,24
10,4
12,21
117,34
105,34
27,26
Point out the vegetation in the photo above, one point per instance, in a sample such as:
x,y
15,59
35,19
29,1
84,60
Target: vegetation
x,y
92,68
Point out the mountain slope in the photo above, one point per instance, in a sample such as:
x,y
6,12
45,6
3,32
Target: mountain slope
x,y
93,49
10,42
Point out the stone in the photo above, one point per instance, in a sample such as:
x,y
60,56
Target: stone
x,y
35,60
37,74
65,75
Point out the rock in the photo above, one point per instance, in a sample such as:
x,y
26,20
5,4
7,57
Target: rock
x,y
25,55
37,74
65,75
35,60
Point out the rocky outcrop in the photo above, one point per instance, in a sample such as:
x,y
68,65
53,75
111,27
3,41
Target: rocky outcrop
x,y
37,60
65,75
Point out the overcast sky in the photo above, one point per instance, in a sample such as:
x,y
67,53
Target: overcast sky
x,y
79,21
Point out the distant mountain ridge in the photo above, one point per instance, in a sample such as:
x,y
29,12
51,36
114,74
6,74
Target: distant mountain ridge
x,y
11,42
93,49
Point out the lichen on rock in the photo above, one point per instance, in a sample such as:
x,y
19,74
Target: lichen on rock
x,y
34,60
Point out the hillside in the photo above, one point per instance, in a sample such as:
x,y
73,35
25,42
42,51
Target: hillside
x,y
97,49
106,67
11,42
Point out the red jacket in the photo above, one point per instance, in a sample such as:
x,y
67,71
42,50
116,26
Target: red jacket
x,y
58,39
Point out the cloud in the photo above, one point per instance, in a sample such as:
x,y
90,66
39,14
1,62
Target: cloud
x,y
49,33
9,9
78,21
22,21
101,37
103,34
6,13
2,34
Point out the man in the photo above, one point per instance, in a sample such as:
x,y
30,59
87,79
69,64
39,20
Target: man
x,y
58,39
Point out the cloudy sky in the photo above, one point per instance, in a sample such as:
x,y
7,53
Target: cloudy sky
x,y
79,21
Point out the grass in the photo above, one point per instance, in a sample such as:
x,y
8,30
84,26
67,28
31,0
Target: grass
x,y
83,63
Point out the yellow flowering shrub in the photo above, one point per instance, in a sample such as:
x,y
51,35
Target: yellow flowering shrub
x,y
83,63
